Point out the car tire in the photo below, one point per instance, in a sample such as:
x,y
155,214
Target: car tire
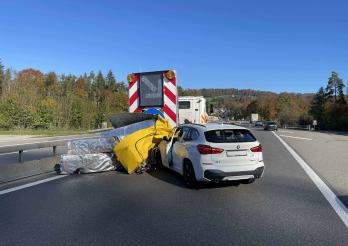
x,y
189,175
158,160
248,181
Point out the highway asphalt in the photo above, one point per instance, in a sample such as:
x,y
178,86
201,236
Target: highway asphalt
x,y
326,153
283,208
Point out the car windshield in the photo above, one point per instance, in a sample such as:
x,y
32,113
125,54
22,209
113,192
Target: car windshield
x,y
229,136
271,123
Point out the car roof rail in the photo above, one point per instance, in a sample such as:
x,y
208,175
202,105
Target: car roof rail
x,y
195,124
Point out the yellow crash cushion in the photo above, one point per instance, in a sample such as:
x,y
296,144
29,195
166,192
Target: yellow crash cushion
x,y
134,149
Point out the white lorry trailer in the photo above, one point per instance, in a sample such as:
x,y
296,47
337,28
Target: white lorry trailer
x,y
192,109
254,118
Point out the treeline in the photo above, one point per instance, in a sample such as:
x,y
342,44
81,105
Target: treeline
x,y
328,107
286,108
32,99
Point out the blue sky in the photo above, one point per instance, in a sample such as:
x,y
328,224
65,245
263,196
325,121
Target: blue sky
x,y
270,45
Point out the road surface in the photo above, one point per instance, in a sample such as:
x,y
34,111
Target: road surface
x,y
283,208
326,153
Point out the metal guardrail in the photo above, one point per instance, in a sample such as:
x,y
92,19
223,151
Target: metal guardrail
x,y
20,148
100,130
301,127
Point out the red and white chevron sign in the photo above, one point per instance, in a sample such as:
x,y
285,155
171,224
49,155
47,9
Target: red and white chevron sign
x,y
169,103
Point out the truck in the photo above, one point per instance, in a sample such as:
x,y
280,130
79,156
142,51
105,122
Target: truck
x,y
254,118
154,92
192,109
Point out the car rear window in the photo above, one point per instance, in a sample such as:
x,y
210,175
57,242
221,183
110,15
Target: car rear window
x,y
229,136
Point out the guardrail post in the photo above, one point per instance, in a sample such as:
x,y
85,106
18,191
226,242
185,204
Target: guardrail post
x,y
54,150
20,155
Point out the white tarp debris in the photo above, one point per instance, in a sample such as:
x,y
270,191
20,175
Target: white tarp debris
x,y
91,146
95,154
122,132
86,163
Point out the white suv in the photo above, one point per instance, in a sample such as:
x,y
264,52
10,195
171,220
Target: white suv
x,y
212,152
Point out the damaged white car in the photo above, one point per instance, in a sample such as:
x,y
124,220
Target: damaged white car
x,y
212,152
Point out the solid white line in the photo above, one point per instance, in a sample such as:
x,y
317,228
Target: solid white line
x,y
287,136
2,192
330,196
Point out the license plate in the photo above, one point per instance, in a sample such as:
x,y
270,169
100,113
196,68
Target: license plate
x,y
232,153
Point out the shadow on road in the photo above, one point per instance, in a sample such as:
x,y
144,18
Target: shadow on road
x,y
340,133
171,177
344,200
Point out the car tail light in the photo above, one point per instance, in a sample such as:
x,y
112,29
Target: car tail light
x,y
206,150
256,148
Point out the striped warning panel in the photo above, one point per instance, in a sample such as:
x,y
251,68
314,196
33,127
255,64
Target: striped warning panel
x,y
134,94
170,100
169,107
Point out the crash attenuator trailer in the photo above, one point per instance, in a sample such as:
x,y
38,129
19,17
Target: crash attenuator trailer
x,y
154,91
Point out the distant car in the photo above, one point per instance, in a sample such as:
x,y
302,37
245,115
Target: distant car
x,y
258,123
270,126
212,152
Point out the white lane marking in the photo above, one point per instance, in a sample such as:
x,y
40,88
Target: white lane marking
x,y
287,136
286,131
2,192
330,196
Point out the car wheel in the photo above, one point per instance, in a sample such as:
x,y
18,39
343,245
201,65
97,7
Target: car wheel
x,y
57,168
159,164
189,175
248,181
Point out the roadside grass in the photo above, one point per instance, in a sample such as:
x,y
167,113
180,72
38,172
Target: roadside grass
x,y
45,132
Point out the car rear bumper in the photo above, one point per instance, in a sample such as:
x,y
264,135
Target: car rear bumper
x,y
218,175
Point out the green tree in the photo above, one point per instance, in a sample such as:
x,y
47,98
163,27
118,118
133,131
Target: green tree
x,y
317,108
45,113
2,78
110,81
50,80
334,89
76,115
99,86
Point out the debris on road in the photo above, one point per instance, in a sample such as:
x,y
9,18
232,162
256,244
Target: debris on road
x,y
88,156
91,146
128,145
133,151
124,131
125,119
87,163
